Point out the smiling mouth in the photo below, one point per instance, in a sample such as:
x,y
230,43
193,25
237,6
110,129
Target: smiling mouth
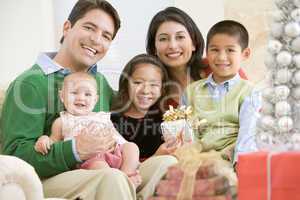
x,y
222,65
145,99
80,105
93,51
174,55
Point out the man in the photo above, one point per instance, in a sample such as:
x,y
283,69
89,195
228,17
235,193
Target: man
x,y
32,104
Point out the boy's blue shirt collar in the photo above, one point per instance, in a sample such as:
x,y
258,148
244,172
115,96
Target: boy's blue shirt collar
x,y
49,66
229,83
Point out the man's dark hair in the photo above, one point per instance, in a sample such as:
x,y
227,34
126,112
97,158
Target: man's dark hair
x,y
84,6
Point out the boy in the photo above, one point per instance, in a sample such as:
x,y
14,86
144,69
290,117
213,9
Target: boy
x,y
228,103
31,106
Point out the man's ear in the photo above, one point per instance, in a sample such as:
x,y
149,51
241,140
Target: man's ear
x,y
246,53
66,27
96,98
61,96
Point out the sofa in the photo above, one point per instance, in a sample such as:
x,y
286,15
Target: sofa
x,y
18,179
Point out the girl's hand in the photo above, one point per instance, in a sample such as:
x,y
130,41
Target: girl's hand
x,y
43,144
166,148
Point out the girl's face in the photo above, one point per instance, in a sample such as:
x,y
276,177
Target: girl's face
x,y
174,45
145,87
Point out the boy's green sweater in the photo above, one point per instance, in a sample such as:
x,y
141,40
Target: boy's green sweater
x,y
222,116
31,105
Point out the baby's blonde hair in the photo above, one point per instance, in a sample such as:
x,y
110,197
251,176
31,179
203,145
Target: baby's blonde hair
x,y
80,76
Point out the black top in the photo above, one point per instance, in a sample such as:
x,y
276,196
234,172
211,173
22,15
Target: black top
x,y
144,132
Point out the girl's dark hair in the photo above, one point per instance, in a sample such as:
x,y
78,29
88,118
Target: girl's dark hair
x,y
84,6
179,16
122,101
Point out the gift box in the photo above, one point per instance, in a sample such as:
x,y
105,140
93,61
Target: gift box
x,y
197,176
176,121
269,176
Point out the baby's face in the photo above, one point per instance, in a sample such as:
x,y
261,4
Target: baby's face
x,y
79,97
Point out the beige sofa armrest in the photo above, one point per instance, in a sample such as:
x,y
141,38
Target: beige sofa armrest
x,y
17,179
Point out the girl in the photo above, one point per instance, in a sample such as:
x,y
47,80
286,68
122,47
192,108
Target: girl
x,y
137,112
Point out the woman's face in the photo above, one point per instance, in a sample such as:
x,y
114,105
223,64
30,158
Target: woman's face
x,y
173,44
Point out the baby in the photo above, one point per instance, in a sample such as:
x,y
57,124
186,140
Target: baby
x,y
79,96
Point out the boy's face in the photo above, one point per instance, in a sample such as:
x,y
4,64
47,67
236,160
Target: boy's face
x,y
88,40
225,55
79,96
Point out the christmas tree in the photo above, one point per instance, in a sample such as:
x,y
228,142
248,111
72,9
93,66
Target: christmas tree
x,y
279,125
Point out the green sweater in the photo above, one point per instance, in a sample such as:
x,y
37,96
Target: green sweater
x,y
30,106
222,116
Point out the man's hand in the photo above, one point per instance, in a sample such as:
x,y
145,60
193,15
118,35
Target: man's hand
x,y
43,144
89,144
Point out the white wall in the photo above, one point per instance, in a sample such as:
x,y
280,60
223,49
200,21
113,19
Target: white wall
x,y
130,40
31,26
204,13
26,29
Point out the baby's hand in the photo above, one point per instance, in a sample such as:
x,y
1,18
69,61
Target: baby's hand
x,y
43,144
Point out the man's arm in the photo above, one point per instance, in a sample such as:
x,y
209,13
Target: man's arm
x,y
24,119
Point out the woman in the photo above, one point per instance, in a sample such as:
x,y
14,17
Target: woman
x,y
176,40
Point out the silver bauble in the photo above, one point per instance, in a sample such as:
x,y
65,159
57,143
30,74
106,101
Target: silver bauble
x,y
274,46
296,15
296,78
270,60
296,93
297,3
292,29
277,29
267,108
278,16
282,108
281,92
284,58
285,124
296,44
296,60
283,76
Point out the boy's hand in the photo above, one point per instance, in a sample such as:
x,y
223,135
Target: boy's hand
x,y
43,144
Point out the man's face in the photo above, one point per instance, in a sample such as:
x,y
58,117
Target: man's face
x,y
88,40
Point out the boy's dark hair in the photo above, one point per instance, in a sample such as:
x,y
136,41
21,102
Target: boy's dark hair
x,y
122,100
232,28
84,6
179,16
